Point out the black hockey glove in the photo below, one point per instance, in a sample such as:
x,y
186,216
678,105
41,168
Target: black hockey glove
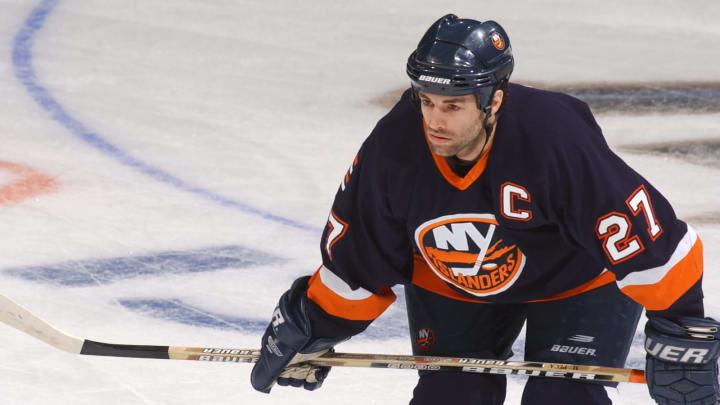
x,y
682,367
288,342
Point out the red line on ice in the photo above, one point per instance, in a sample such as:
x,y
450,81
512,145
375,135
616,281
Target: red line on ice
x,y
28,183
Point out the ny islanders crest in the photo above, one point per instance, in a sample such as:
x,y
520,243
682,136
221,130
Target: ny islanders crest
x,y
465,251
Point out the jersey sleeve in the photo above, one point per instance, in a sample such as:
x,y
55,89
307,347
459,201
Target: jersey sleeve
x,y
365,248
621,219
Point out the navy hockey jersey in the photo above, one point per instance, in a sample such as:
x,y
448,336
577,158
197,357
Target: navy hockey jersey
x,y
548,212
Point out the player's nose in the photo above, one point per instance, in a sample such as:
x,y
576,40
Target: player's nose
x,y
434,121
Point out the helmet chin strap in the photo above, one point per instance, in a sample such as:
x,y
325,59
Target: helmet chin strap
x,y
488,130
489,127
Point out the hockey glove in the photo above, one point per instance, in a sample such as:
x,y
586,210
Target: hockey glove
x,y
681,367
288,342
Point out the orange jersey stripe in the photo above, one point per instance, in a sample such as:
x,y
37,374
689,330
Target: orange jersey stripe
x,y
599,281
336,298
675,281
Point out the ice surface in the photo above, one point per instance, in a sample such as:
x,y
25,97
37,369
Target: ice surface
x,y
193,150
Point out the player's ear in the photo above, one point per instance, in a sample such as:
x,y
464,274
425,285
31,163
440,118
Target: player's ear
x,y
496,101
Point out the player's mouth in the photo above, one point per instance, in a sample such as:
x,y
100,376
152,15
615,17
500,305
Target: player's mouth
x,y
437,138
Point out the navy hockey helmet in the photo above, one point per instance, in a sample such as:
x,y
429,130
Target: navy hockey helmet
x,y
458,56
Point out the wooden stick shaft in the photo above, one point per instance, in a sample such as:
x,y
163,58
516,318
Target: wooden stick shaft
x,y
20,318
489,366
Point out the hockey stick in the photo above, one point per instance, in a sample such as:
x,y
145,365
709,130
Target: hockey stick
x,y
23,320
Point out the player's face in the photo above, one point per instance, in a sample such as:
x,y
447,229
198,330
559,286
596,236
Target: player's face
x,y
454,125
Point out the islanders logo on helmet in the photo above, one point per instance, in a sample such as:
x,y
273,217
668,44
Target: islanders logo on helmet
x,y
467,252
497,41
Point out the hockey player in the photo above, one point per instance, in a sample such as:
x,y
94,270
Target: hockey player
x,y
496,204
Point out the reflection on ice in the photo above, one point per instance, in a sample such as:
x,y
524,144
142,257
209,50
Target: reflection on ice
x,y
704,152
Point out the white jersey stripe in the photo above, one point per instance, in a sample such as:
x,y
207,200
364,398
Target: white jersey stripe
x,y
340,287
655,275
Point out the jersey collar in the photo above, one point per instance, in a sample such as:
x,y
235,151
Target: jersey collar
x,y
461,183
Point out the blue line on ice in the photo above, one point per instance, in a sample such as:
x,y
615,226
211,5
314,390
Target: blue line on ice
x,y
93,272
22,58
175,310
84,273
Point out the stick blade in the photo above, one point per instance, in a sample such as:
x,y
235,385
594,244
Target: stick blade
x,y
23,320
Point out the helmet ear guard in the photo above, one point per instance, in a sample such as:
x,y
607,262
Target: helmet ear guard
x,y
459,57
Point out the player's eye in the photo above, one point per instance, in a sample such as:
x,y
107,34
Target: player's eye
x,y
426,102
453,107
